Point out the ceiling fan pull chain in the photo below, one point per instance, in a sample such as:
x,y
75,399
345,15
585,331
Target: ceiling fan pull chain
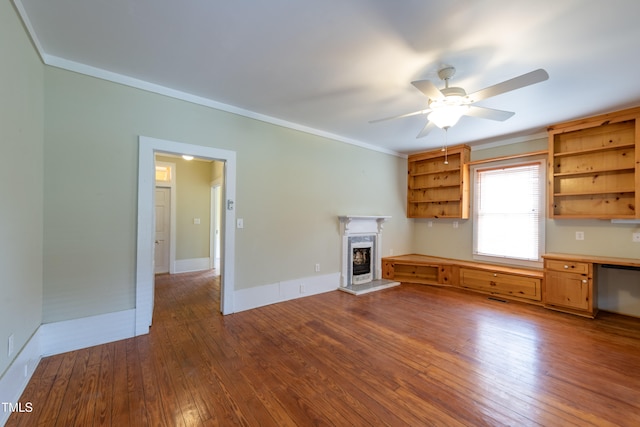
x,y
446,143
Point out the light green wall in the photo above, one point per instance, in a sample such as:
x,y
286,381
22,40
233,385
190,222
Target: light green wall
x,y
193,188
21,157
619,291
291,187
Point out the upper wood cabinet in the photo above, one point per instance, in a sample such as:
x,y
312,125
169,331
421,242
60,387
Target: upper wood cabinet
x,y
594,167
438,184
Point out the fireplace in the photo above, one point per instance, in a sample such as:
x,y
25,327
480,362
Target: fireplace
x,y
361,254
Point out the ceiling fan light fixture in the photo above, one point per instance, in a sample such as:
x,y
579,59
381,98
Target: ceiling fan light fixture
x,y
444,115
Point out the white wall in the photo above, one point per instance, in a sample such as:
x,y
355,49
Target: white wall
x,y
21,185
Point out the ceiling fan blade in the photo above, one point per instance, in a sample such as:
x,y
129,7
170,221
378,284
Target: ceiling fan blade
x,y
488,113
415,113
428,88
426,129
533,77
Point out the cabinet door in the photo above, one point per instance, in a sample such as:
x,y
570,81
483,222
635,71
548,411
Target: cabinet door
x,y
567,290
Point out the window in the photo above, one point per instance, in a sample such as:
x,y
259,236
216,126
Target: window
x,y
163,173
509,213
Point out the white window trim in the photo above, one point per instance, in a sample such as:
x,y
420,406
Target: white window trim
x,y
542,161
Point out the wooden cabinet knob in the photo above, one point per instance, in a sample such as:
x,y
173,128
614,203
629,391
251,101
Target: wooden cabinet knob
x,y
566,266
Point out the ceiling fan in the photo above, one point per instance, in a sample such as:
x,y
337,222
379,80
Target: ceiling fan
x,y
447,105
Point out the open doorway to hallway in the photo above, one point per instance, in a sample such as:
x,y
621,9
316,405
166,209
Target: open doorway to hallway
x,y
187,216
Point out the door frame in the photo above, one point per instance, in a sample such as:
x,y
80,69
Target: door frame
x,y
148,147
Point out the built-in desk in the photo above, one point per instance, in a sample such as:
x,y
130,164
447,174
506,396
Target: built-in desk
x,y
571,283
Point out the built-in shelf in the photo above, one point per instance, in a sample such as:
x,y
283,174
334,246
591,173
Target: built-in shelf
x,y
591,193
438,184
596,171
593,150
594,167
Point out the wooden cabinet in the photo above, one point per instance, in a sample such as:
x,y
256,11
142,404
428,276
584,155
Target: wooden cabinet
x,y
525,285
569,285
438,184
594,167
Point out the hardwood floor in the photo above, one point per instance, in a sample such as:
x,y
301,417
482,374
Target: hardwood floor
x,y
410,355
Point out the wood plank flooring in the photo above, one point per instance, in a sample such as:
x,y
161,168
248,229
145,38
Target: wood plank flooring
x,y
410,355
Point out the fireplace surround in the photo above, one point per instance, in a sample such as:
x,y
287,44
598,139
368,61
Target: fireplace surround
x,y
361,254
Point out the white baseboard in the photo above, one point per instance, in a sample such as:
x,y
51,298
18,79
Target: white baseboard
x,y
69,335
17,376
246,299
193,264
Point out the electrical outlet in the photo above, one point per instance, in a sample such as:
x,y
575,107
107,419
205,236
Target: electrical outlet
x,y
317,268
430,224
455,224
10,346
303,288
579,235
635,237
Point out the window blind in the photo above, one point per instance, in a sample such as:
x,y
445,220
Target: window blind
x,y
508,212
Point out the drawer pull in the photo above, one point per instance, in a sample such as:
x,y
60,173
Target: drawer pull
x,y
566,266
584,280
495,275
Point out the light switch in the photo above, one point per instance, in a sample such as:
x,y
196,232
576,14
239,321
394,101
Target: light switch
x,y
240,223
196,221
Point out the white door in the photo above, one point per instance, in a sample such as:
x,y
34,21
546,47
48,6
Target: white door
x,y
215,227
163,226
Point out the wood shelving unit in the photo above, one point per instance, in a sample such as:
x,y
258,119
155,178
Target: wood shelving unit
x,y
594,167
438,184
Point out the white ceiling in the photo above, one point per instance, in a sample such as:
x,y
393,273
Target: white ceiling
x,y
329,67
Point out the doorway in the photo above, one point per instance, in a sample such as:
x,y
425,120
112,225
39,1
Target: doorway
x,y
148,147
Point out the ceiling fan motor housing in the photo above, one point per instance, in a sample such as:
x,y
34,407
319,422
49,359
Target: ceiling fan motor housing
x,y
454,91
453,96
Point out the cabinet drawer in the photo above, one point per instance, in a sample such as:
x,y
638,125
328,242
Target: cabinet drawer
x,y
415,273
501,283
567,266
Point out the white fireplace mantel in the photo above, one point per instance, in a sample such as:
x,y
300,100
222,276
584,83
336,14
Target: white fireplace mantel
x,y
359,224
